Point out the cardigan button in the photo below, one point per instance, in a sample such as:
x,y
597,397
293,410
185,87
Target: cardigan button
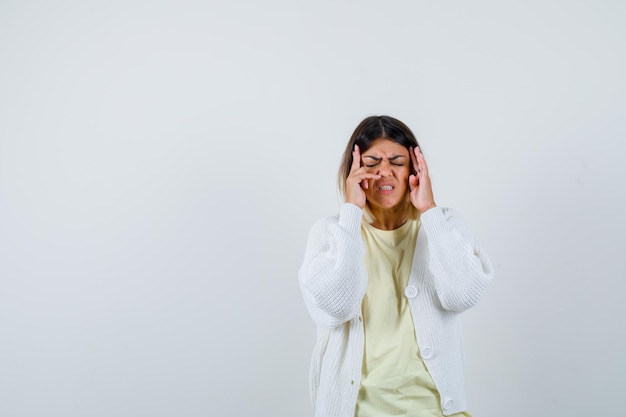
x,y
410,291
448,404
427,353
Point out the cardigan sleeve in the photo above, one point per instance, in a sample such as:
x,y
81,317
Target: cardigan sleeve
x,y
460,267
332,277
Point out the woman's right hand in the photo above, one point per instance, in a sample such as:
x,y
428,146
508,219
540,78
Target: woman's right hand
x,y
357,180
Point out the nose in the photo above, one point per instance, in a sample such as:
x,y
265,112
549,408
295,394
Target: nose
x,y
384,168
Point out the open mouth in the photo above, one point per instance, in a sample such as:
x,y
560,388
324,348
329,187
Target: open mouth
x,y
385,187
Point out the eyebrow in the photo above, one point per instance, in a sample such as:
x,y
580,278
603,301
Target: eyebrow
x,y
393,158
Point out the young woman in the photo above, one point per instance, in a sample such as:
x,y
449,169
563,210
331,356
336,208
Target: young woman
x,y
385,282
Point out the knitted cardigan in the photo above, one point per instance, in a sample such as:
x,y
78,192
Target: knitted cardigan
x,y
450,272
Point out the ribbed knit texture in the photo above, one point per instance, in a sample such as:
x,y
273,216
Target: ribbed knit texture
x,y
450,272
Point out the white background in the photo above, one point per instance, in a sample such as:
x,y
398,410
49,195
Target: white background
x,y
162,162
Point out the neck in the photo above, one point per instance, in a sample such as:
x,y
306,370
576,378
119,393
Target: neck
x,y
389,219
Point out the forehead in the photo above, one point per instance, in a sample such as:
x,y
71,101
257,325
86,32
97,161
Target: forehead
x,y
387,148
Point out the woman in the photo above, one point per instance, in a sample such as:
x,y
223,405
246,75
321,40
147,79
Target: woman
x,y
385,282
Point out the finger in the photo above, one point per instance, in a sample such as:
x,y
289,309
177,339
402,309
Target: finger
x,y
412,152
360,172
422,162
356,158
359,176
362,179
418,165
412,182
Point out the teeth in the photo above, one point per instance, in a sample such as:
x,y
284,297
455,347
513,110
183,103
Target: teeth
x,y
386,188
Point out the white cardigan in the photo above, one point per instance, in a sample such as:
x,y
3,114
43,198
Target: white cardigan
x,y
449,274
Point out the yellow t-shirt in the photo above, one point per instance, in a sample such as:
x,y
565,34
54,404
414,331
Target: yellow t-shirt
x,y
394,379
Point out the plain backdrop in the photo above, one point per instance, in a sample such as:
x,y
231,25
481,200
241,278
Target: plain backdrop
x,y
161,163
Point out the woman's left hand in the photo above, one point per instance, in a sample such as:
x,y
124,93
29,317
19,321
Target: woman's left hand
x,y
421,191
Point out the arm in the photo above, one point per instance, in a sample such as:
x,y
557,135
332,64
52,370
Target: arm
x,y
332,277
460,267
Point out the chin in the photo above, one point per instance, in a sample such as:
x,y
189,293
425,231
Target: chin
x,y
387,204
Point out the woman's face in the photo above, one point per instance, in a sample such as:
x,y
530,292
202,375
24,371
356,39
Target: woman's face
x,y
392,162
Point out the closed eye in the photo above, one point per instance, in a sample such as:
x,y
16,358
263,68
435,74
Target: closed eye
x,y
396,160
378,163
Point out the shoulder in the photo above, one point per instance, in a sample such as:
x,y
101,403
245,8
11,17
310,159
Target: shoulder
x,y
441,214
325,223
348,218
439,220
